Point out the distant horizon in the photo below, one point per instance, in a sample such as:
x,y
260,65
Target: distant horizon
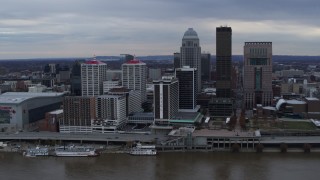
x,y
143,56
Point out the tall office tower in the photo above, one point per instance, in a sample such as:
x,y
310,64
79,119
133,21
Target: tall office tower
x,y
176,60
166,98
257,80
187,87
111,113
134,74
76,79
93,73
205,66
221,106
223,61
78,111
191,53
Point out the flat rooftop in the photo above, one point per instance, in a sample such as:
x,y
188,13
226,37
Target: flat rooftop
x,y
19,97
186,117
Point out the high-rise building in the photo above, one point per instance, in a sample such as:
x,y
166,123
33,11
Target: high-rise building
x,y
205,66
187,87
223,61
176,60
166,98
93,73
191,53
257,80
78,112
222,104
134,74
76,79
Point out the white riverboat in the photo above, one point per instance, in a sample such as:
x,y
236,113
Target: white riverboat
x,y
75,151
144,150
37,151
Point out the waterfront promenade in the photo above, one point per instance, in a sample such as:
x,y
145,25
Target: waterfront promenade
x,y
110,137
150,138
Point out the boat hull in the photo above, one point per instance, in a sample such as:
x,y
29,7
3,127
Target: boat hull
x,y
75,155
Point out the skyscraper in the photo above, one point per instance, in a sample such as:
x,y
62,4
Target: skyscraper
x,y
134,74
166,98
187,87
257,80
205,66
93,73
190,53
176,60
222,105
223,61
76,79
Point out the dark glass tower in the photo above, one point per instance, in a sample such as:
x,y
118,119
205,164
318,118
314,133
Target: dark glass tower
x,y
205,66
76,79
223,61
187,87
222,105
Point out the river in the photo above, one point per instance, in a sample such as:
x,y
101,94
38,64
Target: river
x,y
165,166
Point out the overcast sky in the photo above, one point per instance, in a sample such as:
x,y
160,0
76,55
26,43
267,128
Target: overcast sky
x,y
82,28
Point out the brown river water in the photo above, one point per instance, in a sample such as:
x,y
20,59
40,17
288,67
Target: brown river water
x,y
169,165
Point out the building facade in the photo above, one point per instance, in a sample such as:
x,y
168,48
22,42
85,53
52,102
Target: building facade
x,y
166,98
190,53
187,87
22,110
78,112
257,80
154,74
134,74
93,73
107,85
133,100
111,113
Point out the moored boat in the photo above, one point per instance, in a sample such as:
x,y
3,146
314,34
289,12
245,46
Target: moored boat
x,y
37,151
75,151
144,150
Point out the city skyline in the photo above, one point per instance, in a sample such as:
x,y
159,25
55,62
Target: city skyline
x,y
81,28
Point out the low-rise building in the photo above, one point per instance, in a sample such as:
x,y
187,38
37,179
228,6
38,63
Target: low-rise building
x,y
22,110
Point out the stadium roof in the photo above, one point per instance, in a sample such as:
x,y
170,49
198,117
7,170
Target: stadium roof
x,y
19,97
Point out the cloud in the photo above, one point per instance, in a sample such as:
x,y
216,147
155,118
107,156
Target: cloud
x,y
43,28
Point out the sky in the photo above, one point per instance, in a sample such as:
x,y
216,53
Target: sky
x,y
83,28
